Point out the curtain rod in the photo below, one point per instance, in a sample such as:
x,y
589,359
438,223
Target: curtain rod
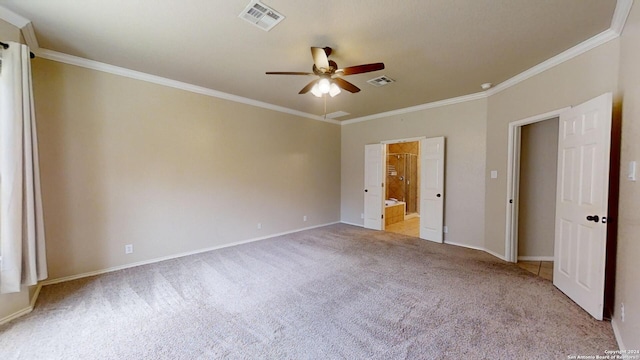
x,y
6,46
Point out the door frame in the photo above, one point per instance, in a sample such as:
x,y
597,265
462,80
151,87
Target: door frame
x,y
513,179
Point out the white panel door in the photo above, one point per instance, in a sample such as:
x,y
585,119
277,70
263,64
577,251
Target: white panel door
x,y
373,186
431,188
581,203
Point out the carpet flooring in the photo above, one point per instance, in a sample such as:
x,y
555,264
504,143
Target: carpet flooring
x,y
336,292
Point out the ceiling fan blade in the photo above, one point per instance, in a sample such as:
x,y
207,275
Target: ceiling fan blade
x,y
308,87
344,84
320,58
287,73
359,69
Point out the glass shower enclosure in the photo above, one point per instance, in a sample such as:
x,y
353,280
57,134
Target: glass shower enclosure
x,y
402,179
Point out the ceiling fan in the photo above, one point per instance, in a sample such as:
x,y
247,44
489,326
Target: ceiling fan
x,y
329,79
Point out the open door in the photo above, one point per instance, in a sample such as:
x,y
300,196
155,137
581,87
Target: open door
x,y
581,203
374,186
431,188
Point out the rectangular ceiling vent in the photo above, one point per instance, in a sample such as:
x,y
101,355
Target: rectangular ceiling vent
x,y
337,114
381,81
261,15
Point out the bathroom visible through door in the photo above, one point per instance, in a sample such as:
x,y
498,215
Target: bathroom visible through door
x,y
402,188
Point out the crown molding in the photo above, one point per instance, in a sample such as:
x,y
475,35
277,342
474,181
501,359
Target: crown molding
x,y
116,70
30,36
431,105
566,55
13,18
623,8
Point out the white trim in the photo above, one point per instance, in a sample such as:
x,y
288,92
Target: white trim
x,y
169,257
400,141
623,8
535,258
116,70
29,36
34,297
431,105
622,11
616,333
13,18
513,160
495,254
566,55
475,248
352,224
26,310
16,315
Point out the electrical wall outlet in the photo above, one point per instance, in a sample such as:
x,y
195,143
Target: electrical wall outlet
x,y
361,215
304,218
622,312
128,249
445,229
259,226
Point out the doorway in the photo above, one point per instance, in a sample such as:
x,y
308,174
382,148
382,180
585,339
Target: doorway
x,y
536,197
402,208
582,203
431,190
514,179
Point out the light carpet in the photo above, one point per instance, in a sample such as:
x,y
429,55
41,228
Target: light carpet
x,y
336,292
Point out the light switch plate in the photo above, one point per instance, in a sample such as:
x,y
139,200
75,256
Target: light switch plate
x,y
494,174
631,173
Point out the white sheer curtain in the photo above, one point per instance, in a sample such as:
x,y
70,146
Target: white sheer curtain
x,y
22,248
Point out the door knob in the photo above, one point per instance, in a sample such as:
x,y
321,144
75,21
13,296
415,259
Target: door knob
x,y
594,218
437,195
365,190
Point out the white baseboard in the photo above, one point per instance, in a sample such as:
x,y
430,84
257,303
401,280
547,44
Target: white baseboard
x,y
169,257
616,333
23,311
16,314
535,258
348,223
501,257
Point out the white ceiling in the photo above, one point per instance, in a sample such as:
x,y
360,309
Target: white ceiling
x,y
434,49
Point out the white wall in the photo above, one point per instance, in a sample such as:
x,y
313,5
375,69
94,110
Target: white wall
x,y
463,126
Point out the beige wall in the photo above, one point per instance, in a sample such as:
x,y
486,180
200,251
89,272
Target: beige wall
x,y
463,126
628,255
537,195
169,171
570,83
9,32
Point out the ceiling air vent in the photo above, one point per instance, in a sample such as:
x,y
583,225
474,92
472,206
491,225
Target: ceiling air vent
x,y
380,81
261,15
337,114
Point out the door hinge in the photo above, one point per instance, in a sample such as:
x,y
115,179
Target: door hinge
x,y
382,216
382,185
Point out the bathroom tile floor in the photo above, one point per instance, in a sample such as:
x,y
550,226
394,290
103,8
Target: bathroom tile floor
x,y
410,227
544,269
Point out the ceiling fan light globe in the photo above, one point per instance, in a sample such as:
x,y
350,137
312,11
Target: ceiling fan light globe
x,y
315,90
324,86
334,90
